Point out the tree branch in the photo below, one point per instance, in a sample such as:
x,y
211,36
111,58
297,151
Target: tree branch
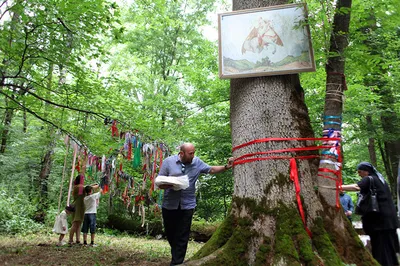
x,y
65,26
44,120
53,103
5,11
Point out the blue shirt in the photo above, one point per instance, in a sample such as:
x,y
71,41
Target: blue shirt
x,y
172,166
346,202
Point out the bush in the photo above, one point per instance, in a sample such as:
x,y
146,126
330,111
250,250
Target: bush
x,y
16,214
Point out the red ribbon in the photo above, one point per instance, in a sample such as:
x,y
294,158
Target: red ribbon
x,y
158,156
114,129
311,148
293,165
139,198
275,158
129,157
281,139
295,178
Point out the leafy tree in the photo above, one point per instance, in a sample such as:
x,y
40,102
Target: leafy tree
x,y
374,57
36,40
45,38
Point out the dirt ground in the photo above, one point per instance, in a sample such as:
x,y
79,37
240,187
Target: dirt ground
x,y
46,254
110,251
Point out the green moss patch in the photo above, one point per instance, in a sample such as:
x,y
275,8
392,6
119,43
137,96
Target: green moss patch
x,y
235,249
323,244
218,239
292,242
264,252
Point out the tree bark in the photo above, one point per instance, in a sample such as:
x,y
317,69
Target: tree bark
x,y
47,161
371,140
335,85
25,127
8,114
265,225
390,126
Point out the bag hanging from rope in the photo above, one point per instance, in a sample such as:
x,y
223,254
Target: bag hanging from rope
x,y
368,202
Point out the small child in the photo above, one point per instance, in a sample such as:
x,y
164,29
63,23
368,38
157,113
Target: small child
x,y
61,224
91,202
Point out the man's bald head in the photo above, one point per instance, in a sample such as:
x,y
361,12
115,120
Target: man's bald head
x,y
186,153
185,146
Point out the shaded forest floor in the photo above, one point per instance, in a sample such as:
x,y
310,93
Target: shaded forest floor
x,y
111,250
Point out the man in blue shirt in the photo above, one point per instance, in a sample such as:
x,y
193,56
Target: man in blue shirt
x,y
178,206
347,204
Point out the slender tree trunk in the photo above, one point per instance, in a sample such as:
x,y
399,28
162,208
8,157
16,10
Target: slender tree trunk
x,y
46,166
9,112
8,115
335,85
371,140
391,128
47,160
25,127
265,225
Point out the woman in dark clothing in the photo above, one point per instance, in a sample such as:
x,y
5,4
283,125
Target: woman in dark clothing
x,y
381,226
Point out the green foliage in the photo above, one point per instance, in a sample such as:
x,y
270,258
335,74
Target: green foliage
x,y
16,213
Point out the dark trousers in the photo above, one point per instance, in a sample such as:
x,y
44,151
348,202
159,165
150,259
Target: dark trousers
x,y
177,225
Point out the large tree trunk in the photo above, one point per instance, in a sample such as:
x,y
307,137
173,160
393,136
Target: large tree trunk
x,y
265,226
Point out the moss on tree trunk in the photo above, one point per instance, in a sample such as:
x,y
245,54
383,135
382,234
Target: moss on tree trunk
x,y
288,245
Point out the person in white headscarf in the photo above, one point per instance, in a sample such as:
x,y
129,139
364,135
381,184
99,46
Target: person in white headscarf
x,y
380,226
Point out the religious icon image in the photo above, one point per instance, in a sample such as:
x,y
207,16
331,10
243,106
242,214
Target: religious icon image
x,y
265,41
261,37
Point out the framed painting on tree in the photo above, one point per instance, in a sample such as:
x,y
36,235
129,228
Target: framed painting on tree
x,y
266,41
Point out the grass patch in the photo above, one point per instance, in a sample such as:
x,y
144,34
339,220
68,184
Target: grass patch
x,y
41,249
